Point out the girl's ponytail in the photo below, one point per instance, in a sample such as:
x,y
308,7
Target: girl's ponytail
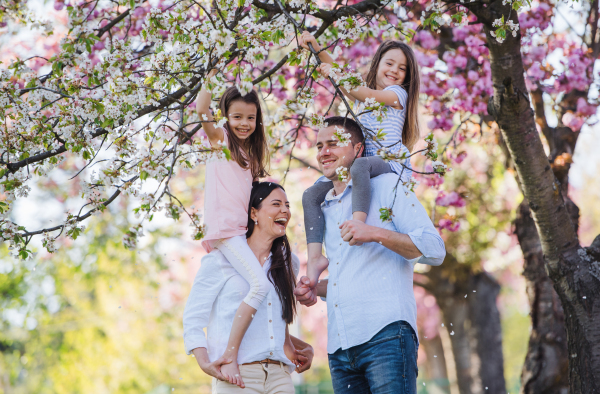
x,y
412,85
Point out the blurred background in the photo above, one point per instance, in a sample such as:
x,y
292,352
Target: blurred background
x,y
97,317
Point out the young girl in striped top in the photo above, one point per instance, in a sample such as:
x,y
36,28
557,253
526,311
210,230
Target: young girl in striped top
x,y
393,80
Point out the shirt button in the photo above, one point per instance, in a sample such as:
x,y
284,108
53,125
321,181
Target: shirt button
x,y
269,304
339,201
270,321
271,338
334,284
336,305
271,353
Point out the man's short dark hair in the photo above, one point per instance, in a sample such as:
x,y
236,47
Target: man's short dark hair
x,y
350,125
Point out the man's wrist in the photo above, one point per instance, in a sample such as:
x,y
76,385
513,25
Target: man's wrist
x,y
376,234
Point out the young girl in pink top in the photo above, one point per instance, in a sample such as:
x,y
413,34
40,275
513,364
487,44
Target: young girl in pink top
x,y
227,195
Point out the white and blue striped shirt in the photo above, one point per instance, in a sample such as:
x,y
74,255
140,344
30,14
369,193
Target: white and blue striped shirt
x,y
392,124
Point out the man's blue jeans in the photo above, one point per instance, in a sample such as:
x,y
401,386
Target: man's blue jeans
x,y
386,364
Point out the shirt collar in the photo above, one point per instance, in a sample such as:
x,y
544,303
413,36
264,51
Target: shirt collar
x,y
331,197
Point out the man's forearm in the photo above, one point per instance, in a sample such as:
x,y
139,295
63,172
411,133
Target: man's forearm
x,y
396,242
322,288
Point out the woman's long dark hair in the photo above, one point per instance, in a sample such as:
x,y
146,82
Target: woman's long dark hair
x,y
412,85
252,152
281,273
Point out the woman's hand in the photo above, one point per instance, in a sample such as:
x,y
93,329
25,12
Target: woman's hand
x,y
212,369
307,38
305,357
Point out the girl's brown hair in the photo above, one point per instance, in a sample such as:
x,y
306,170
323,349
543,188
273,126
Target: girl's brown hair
x,y
253,152
281,272
412,85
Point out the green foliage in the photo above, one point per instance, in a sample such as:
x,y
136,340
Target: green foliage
x,y
111,333
385,214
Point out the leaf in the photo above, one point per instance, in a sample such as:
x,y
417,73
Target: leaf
x,y
227,153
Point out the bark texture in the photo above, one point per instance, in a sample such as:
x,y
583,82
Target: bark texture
x,y
435,368
467,299
574,271
545,370
546,365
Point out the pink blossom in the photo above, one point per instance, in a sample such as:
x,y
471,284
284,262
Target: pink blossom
x,y
571,120
472,75
458,82
460,157
536,72
451,199
434,180
426,39
584,108
443,122
448,225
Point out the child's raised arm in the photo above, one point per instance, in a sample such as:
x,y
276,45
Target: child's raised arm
x,y
214,134
363,92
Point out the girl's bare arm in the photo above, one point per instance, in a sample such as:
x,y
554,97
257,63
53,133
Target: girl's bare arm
x,y
362,93
203,108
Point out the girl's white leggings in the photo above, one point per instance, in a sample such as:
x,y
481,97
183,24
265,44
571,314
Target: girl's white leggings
x,y
239,254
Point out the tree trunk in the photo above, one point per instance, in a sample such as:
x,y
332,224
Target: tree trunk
x,y
546,365
487,331
456,319
473,322
574,271
436,370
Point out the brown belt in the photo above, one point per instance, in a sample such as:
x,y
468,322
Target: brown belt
x,y
265,361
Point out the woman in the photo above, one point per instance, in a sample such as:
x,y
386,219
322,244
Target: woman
x,y
267,354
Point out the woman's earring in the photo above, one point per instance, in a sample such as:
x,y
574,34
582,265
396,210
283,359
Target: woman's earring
x,y
256,222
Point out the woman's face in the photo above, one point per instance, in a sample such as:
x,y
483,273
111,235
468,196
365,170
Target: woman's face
x,y
273,215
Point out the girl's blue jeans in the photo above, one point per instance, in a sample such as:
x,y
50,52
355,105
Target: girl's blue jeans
x,y
386,364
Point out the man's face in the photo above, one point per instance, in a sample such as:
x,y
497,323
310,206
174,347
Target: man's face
x,y
331,156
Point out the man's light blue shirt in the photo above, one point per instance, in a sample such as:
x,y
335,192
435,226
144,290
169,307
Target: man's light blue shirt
x,y
370,286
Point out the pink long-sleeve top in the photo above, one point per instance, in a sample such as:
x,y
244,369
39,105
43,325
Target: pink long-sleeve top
x,y
227,195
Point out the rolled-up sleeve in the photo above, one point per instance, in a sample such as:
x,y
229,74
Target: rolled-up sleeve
x,y
207,284
410,218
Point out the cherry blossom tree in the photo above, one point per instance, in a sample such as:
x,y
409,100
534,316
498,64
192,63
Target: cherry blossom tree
x,y
113,106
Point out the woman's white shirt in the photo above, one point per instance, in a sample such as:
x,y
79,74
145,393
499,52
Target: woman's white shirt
x,y
216,294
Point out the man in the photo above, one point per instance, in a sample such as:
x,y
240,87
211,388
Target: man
x,y
371,309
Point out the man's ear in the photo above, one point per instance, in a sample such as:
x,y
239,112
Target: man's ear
x,y
358,149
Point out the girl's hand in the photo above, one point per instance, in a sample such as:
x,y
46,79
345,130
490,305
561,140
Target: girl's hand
x,y
307,38
325,69
212,73
214,369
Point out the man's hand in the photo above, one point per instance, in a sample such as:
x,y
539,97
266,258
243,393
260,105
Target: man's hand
x,y
304,294
356,232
